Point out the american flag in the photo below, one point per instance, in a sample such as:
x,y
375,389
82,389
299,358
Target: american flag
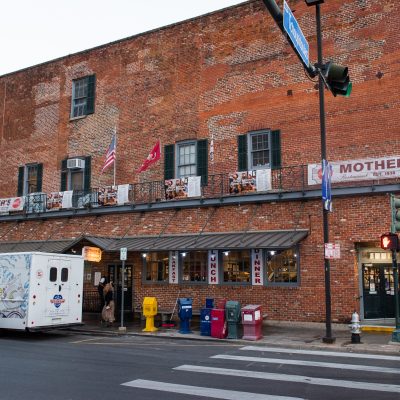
x,y
110,156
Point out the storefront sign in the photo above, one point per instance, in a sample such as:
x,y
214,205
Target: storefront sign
x,y
332,251
173,267
250,181
182,188
257,272
213,278
91,253
11,204
357,170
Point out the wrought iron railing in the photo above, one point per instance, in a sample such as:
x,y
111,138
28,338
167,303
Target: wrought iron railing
x,y
288,179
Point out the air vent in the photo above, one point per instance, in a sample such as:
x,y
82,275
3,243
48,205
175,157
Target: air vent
x,y
75,163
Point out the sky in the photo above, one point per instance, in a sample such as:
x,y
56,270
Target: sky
x,y
36,31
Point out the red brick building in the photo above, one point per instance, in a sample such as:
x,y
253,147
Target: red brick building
x,y
224,93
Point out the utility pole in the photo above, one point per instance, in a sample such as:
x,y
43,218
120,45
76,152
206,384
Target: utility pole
x,y
336,79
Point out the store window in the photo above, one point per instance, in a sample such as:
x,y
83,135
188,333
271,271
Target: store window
x,y
194,266
155,266
283,267
236,266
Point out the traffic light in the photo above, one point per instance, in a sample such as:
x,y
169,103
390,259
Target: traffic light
x,y
337,79
389,241
395,209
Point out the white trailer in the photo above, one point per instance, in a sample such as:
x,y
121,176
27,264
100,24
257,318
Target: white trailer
x,y
40,290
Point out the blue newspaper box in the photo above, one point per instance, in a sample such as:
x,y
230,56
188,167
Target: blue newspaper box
x,y
209,303
205,321
185,314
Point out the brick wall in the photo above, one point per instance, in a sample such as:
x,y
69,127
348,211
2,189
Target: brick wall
x,y
218,76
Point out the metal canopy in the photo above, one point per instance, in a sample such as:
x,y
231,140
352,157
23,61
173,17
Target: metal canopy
x,y
214,241
206,241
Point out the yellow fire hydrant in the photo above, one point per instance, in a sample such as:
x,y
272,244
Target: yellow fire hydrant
x,y
149,312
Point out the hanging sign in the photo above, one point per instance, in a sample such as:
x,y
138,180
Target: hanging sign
x,y
91,253
213,267
257,267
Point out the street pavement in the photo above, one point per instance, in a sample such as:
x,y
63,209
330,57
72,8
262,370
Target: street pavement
x,y
286,335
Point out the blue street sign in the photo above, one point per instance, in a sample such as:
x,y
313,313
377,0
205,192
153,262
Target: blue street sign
x,y
326,185
296,36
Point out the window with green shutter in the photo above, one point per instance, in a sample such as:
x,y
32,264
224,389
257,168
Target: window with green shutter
x,y
83,96
169,161
30,179
259,150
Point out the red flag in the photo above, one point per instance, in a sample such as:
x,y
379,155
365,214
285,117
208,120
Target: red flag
x,y
154,155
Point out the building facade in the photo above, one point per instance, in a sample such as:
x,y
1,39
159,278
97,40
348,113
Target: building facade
x,y
233,207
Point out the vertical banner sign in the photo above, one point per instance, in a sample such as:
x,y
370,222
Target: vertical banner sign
x,y
173,267
257,267
326,185
213,267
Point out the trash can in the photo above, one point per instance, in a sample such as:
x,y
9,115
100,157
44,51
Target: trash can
x,y
218,323
149,312
185,314
232,311
205,321
252,322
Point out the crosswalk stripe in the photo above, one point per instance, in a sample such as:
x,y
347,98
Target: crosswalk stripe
x,y
321,353
380,387
309,363
203,391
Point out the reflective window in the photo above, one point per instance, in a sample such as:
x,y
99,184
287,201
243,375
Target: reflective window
x,y
236,266
64,274
155,266
194,266
283,266
53,274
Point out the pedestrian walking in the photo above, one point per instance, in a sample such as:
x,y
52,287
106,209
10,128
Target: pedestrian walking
x,y
109,305
100,289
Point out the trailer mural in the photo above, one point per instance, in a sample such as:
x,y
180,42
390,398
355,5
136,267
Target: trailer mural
x,y
14,288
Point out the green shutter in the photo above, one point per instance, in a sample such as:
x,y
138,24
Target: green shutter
x,y
276,149
87,173
202,161
169,161
21,173
39,177
64,174
242,153
91,94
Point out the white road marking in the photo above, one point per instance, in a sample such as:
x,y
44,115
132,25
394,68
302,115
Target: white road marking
x,y
203,391
321,353
309,363
379,387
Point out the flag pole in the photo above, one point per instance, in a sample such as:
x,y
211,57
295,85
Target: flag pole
x,y
115,160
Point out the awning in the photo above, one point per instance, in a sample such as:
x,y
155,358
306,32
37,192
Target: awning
x,y
214,241
274,240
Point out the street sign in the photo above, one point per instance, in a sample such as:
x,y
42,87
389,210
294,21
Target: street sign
x,y
296,36
123,253
332,251
326,185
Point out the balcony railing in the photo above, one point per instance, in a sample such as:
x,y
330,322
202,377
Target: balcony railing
x,y
288,179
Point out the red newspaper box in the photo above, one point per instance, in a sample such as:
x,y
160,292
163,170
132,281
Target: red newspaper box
x,y
252,322
218,324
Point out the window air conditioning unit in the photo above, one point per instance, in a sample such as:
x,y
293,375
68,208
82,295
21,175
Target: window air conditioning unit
x,y
75,163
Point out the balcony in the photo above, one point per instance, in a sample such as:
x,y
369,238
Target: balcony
x,y
289,183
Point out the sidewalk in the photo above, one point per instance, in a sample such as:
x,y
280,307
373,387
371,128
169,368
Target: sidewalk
x,y
277,334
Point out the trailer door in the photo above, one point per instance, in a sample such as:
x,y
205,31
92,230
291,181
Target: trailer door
x,y
58,288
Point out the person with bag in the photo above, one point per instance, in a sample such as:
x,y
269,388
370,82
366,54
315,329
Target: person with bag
x,y
109,306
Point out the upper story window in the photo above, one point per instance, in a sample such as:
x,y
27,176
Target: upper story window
x,y
186,164
188,158
75,173
259,150
83,94
30,179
